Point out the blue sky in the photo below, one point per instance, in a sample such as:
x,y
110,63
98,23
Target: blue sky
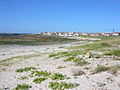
x,y
33,16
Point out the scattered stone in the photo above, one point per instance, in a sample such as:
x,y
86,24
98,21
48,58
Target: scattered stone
x,y
118,84
6,88
101,84
3,69
60,67
88,55
86,68
3,54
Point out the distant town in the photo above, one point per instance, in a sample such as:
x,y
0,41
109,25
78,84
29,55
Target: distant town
x,y
79,34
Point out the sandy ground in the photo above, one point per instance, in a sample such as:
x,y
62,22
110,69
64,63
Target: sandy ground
x,y
9,78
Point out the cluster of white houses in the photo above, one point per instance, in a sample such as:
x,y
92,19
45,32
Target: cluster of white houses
x,y
78,34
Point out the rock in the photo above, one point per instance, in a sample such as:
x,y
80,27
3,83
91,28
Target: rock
x,y
88,55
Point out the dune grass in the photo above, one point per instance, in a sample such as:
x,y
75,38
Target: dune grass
x,y
23,77
104,43
114,69
80,61
58,54
69,59
92,46
101,68
114,52
68,54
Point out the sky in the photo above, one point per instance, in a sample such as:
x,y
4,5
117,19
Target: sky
x,y
34,16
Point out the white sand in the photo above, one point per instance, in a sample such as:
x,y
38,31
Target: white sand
x,y
9,78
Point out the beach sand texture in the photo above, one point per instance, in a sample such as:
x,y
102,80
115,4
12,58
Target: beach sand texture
x,y
37,56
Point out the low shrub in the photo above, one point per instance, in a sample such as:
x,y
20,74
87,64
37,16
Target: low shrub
x,y
25,69
39,80
23,77
52,55
80,61
22,87
114,52
108,53
114,69
77,59
40,73
101,68
61,85
105,44
97,56
57,76
57,54
65,53
69,59
92,46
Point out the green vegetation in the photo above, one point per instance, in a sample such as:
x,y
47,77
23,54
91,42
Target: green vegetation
x,y
97,56
101,68
114,52
71,56
40,73
113,69
22,87
67,53
103,38
80,61
58,54
108,53
39,80
61,85
25,69
23,77
92,46
69,59
75,53
61,47
57,76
